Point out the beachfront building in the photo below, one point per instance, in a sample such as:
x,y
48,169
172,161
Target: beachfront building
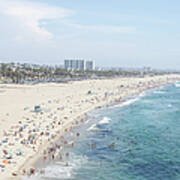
x,y
90,65
80,65
75,65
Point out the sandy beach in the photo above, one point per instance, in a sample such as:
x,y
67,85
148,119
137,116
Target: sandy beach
x,y
34,117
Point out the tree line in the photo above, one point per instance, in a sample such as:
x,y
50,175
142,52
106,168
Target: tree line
x,y
19,73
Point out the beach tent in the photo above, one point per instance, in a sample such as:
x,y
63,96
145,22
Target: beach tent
x,y
89,92
37,108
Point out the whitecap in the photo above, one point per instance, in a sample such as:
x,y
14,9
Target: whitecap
x,y
87,121
142,94
128,102
177,84
93,127
105,120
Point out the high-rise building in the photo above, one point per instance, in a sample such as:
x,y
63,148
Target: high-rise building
x,y
74,65
81,65
90,65
67,64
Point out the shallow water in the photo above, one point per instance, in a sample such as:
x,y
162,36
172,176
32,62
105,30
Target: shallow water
x,y
146,137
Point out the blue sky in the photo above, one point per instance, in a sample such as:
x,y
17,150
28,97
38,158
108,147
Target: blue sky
x,y
131,33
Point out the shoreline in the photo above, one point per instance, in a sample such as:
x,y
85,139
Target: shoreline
x,y
112,105
33,159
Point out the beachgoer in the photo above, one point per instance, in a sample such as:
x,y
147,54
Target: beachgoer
x,y
32,171
53,156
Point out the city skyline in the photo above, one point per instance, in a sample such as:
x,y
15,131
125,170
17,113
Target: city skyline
x,y
116,33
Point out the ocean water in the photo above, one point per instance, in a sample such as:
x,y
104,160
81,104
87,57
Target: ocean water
x,y
139,140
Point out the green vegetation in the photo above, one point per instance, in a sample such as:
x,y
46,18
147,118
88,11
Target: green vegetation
x,y
24,73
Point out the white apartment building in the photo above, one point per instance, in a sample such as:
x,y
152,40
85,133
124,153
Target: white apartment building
x,y
81,65
90,65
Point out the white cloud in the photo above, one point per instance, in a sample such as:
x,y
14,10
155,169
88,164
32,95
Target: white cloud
x,y
35,16
30,14
103,28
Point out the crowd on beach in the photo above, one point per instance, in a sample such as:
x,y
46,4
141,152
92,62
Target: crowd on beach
x,y
36,134
30,135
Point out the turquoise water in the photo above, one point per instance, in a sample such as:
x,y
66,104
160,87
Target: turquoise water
x,y
146,138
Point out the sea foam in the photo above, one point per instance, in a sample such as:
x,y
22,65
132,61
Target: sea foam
x,y
60,170
177,84
126,103
93,127
105,120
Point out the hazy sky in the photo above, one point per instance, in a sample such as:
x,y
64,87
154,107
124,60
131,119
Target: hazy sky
x,y
125,33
